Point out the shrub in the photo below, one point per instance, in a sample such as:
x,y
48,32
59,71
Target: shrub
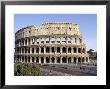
x,y
26,69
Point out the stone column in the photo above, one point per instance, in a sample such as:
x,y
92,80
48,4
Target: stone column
x,y
67,59
21,50
77,50
27,41
72,59
61,60
30,59
60,50
34,50
71,50
30,50
44,59
76,60
66,50
39,50
66,40
44,49
39,60
55,60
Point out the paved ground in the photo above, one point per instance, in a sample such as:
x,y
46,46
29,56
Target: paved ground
x,y
68,70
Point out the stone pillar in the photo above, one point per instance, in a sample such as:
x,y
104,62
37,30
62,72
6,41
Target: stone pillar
x,y
55,60
76,60
61,60
77,50
34,50
30,50
30,59
60,40
60,50
44,49
72,59
39,50
67,59
66,50
44,59
71,50
39,60
21,50
27,42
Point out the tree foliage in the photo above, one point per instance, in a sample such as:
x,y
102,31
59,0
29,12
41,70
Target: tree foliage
x,y
26,69
92,54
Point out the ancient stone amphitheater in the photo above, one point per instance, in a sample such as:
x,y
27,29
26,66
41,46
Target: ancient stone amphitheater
x,y
51,42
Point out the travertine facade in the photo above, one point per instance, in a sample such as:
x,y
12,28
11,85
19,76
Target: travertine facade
x,y
53,42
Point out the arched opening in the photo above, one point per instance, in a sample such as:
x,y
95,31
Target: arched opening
x,y
37,59
26,59
25,50
22,58
64,49
69,50
74,49
53,59
33,59
22,50
75,59
58,49
29,59
53,50
83,59
37,50
58,59
79,50
83,50
32,50
79,60
86,59
64,60
28,50
47,60
42,59
47,49
69,60
42,50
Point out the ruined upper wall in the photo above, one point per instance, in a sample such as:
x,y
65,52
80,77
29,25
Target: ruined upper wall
x,y
49,28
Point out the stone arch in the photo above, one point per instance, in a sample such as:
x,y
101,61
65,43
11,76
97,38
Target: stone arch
x,y
58,59
26,59
42,49
33,59
83,59
29,59
64,49
32,50
64,60
47,60
47,49
37,50
79,60
69,60
58,49
75,59
53,59
69,50
53,49
86,59
74,49
79,50
37,59
42,59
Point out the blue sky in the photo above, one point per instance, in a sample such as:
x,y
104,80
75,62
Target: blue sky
x,y
87,22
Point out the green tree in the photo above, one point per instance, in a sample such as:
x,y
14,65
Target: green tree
x,y
26,69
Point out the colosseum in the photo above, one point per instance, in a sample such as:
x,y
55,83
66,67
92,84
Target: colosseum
x,y
52,43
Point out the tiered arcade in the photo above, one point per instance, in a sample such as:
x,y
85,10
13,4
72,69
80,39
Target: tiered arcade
x,y
52,42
